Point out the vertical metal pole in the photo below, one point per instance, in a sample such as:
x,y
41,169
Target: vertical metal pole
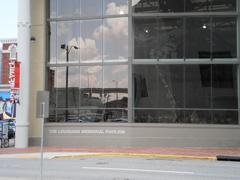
x,y
42,136
130,58
238,57
66,103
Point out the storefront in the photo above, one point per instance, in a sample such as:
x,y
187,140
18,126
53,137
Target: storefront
x,y
141,73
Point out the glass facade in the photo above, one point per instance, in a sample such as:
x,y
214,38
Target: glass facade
x,y
144,61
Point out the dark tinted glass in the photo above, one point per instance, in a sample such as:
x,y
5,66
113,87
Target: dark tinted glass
x,y
197,38
225,86
210,5
225,117
224,35
158,6
198,86
223,5
198,6
158,116
198,117
158,86
158,38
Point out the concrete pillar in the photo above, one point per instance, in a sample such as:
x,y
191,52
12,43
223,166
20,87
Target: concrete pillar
x,y
22,115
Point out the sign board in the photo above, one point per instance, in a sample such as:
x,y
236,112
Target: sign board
x,y
42,104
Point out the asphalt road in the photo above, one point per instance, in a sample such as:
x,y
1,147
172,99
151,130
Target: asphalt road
x,y
118,168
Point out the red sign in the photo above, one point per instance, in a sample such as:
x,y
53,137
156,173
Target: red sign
x,y
14,78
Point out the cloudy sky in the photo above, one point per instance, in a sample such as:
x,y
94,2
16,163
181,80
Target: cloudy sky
x,y
8,19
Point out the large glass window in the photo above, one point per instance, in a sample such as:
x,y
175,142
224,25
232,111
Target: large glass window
x,y
158,86
197,37
158,38
115,39
67,34
115,7
115,83
224,34
68,8
53,42
158,6
91,8
225,86
91,86
91,41
198,86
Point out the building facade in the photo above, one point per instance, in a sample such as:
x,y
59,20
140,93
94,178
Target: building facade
x,y
137,73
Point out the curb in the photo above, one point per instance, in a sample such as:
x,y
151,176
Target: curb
x,y
227,158
136,155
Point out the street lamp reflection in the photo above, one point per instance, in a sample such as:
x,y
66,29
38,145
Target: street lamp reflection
x,y
67,49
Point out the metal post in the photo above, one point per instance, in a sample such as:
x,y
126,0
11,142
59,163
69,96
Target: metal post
x,y
66,102
42,136
24,31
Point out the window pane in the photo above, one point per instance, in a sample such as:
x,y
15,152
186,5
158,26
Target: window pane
x,y
198,86
158,86
224,38
91,86
53,8
116,86
115,39
198,5
159,38
225,86
53,42
91,41
210,5
68,34
91,115
52,86
115,115
223,5
158,6
158,116
198,117
115,7
61,87
225,117
91,7
73,87
68,8
197,38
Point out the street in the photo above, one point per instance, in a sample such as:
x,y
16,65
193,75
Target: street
x,y
118,168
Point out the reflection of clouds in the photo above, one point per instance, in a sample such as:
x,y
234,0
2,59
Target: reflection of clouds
x,y
112,8
116,73
114,29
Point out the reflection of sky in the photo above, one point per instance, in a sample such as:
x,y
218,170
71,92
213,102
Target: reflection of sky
x,y
91,76
4,95
112,35
75,8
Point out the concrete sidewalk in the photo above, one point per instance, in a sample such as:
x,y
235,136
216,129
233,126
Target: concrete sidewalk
x,y
155,152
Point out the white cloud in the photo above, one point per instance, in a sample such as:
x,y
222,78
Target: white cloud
x,y
112,8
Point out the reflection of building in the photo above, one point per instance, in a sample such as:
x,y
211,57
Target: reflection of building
x,y
167,68
9,49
